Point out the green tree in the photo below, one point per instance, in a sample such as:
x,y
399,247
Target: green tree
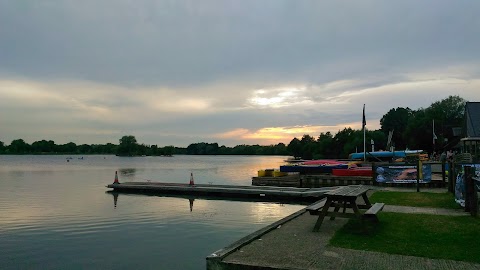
x,y
324,146
295,148
43,146
18,146
128,146
308,144
396,120
70,147
447,114
168,150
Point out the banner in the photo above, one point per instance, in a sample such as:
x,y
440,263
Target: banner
x,y
460,182
403,174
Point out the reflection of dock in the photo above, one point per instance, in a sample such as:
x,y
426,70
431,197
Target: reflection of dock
x,y
266,192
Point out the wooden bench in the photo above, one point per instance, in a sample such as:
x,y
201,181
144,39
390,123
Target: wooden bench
x,y
316,207
371,213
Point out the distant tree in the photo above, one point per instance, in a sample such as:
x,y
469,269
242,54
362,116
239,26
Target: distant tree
x,y
2,147
168,150
396,120
211,149
84,149
308,144
70,147
18,146
295,148
324,146
447,114
346,141
280,149
43,146
128,146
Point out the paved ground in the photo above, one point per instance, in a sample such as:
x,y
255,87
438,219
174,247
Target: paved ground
x,y
293,245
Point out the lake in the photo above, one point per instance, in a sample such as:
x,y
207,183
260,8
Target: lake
x,y
56,213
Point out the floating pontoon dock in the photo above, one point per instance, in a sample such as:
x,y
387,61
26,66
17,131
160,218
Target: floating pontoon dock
x,y
264,192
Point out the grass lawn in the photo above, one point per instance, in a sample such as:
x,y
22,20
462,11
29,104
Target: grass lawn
x,y
421,235
418,199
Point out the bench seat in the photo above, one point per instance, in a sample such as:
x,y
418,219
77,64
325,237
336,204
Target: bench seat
x,y
315,208
372,212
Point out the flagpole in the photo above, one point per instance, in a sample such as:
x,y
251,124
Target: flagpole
x,y
364,146
364,122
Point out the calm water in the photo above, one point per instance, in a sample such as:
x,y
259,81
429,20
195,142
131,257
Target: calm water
x,y
56,214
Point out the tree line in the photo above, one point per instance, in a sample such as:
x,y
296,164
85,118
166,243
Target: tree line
x,y
413,129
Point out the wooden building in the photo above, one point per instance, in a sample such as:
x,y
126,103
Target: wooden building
x,y
470,144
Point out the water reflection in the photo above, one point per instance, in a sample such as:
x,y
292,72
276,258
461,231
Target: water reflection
x,y
129,172
191,204
115,199
116,194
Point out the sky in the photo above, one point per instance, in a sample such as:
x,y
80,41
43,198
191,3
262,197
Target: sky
x,y
232,72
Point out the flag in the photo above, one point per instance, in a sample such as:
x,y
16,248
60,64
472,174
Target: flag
x,y
364,122
433,131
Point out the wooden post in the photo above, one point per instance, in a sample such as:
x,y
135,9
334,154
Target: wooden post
x,y
468,187
443,173
374,174
450,177
474,205
418,174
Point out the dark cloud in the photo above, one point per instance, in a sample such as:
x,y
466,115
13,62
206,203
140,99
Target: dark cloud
x,y
183,71
190,42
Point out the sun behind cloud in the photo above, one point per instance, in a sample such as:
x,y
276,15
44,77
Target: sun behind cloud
x,y
275,135
278,97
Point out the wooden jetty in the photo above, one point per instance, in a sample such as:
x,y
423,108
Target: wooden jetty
x,y
263,192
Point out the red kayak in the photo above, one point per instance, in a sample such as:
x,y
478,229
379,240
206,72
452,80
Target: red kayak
x,y
358,171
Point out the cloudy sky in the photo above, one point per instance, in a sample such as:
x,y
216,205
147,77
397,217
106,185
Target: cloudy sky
x,y
233,72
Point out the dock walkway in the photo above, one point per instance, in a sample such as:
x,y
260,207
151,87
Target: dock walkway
x,y
264,192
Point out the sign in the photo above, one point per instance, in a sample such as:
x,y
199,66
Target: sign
x,y
403,174
460,182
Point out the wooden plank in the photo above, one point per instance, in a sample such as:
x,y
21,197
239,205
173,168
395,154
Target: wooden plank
x,y
347,191
315,208
374,209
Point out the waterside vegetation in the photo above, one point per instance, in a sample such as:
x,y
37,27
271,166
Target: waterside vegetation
x,y
411,129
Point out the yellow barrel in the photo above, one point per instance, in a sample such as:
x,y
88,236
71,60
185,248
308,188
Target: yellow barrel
x,y
269,172
261,173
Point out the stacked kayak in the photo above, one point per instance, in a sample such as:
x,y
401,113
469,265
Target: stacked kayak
x,y
355,171
315,166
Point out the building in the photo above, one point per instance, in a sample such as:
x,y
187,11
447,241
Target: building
x,y
471,142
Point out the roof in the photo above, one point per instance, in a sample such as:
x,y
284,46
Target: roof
x,y
472,114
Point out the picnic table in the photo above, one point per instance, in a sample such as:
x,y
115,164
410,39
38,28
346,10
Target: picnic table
x,y
346,198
